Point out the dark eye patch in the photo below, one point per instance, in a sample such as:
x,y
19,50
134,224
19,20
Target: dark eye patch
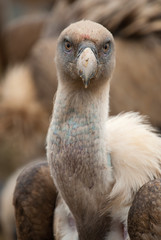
x,y
67,50
106,46
105,50
68,45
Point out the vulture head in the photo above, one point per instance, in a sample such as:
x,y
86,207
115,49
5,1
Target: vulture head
x,y
85,54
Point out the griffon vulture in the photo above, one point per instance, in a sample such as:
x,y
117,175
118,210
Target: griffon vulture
x,y
98,194
97,163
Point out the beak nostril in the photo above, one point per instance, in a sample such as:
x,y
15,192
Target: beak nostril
x,y
86,62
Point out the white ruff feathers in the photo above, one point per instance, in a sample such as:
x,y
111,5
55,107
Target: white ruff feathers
x,y
136,158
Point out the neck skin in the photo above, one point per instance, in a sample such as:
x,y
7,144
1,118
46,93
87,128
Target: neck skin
x,y
78,156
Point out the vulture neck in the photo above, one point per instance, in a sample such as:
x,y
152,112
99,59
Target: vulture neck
x,y
79,161
89,105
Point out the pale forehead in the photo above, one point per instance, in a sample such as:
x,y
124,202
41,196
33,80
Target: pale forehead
x,y
86,29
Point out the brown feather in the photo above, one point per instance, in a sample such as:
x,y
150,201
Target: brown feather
x,y
144,220
34,201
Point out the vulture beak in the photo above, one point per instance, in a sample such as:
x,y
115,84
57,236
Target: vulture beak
x,y
87,65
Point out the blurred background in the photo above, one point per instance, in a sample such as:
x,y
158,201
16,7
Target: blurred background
x,y
28,34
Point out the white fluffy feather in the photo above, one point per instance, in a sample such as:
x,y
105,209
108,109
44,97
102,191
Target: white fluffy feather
x,y
63,230
136,158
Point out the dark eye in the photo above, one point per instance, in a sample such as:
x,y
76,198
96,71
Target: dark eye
x,y
106,47
68,46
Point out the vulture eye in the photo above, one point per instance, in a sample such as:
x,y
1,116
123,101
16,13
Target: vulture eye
x,y
106,47
68,45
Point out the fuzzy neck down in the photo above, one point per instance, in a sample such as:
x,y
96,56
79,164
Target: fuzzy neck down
x,y
77,154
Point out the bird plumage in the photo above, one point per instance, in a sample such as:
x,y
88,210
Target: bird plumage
x,y
34,201
135,157
127,136
80,122
64,222
76,134
81,136
144,219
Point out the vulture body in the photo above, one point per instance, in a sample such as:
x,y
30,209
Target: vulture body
x,y
34,201
80,137
97,163
144,219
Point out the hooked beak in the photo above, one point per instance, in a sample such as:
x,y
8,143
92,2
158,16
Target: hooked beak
x,y
87,66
